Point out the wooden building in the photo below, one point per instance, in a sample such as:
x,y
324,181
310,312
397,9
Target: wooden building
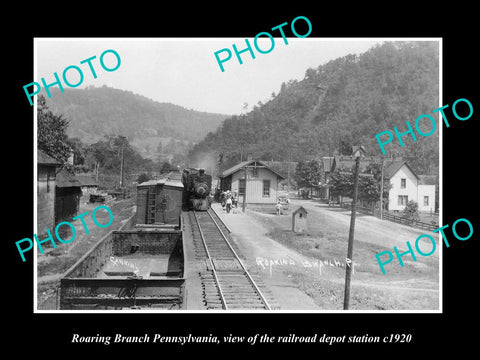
x,y
253,177
299,220
88,184
46,177
406,185
67,196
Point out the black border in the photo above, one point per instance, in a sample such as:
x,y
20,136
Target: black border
x,y
431,332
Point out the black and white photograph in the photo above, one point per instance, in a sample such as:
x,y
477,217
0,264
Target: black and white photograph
x,y
230,186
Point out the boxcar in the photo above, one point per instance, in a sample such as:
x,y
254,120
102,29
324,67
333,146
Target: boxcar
x,y
159,202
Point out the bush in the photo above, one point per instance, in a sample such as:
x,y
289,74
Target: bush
x,y
142,178
411,211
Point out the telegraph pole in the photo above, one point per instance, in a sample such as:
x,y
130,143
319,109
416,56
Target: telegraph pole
x,y
122,169
245,188
349,261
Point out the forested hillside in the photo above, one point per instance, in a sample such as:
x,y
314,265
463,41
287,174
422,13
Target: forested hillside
x,y
96,112
337,105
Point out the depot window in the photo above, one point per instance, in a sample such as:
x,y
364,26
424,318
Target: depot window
x,y
266,188
241,187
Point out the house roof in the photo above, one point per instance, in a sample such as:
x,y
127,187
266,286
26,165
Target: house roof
x,y
427,179
242,164
44,159
355,148
65,179
86,180
348,162
366,175
392,168
301,208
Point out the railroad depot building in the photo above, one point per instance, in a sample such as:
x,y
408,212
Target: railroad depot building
x,y
258,180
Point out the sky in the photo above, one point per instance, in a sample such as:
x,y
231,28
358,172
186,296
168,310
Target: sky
x,y
185,72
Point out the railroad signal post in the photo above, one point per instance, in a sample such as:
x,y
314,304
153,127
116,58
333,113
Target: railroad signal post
x,y
349,262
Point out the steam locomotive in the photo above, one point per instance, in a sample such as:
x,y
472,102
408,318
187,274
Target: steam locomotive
x,y
197,186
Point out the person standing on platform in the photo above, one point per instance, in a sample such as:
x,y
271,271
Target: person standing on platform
x,y
229,204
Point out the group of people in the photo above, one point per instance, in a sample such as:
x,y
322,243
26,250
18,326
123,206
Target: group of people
x,y
228,200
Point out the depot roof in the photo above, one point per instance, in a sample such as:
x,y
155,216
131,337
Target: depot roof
x,y
241,165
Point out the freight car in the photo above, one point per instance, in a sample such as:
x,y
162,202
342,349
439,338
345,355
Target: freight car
x,y
159,202
128,269
197,186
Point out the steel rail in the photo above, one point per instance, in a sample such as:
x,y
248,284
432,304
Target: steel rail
x,y
211,262
264,300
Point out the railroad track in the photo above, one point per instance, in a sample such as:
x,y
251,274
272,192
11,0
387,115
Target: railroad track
x,y
226,284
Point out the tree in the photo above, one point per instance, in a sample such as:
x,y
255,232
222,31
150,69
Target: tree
x,y
368,189
341,184
376,170
142,178
310,73
308,174
166,167
51,131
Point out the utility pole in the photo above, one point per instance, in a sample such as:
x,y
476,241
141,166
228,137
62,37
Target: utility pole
x,y
245,188
349,261
122,169
122,163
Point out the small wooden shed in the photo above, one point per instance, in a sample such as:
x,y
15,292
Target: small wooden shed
x,y
299,220
67,196
46,177
88,184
